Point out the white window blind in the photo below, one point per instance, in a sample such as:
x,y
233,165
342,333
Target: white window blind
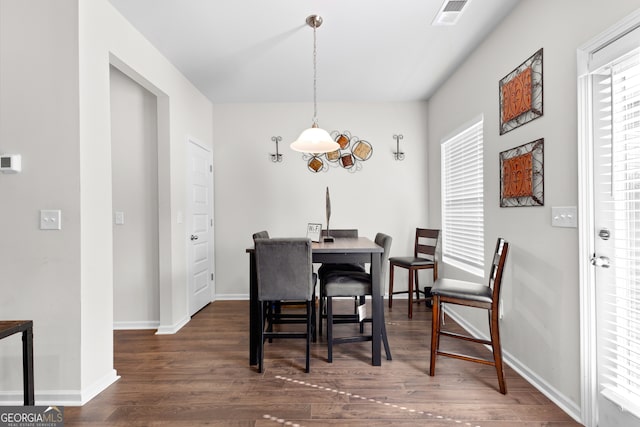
x,y
463,200
617,114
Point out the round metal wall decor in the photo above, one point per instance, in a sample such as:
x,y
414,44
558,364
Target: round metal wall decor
x,y
352,153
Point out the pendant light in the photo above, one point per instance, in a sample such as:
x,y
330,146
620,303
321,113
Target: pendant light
x,y
314,139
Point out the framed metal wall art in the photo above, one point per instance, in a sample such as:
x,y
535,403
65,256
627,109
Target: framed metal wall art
x,y
522,175
521,94
352,152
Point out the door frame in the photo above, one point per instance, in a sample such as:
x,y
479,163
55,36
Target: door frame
x,y
166,284
191,140
586,226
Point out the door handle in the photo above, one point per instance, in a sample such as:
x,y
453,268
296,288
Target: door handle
x,y
604,234
194,237
601,261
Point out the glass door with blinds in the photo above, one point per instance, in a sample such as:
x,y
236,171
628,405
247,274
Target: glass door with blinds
x,y
616,218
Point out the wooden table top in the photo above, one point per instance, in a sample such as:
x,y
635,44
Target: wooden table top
x,y
10,327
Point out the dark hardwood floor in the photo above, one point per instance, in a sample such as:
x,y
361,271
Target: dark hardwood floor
x,y
201,376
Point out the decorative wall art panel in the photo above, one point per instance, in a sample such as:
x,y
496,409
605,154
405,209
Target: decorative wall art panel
x,y
352,152
521,94
522,175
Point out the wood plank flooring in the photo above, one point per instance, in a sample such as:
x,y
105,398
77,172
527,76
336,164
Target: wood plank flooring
x,y
201,376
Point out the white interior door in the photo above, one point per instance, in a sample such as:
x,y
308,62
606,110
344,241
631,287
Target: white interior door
x,y
616,247
199,226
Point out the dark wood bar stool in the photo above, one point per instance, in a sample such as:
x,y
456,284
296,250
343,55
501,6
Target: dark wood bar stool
x,y
472,294
424,257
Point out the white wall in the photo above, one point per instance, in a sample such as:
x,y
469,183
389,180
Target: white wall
x,y
55,111
106,36
39,120
253,194
540,328
134,148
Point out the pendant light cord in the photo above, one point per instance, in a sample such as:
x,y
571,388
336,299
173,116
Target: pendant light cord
x,y
315,105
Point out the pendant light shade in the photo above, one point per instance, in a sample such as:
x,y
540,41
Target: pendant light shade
x,y
314,139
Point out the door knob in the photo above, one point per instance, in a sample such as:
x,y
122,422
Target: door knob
x,y
194,237
600,261
604,234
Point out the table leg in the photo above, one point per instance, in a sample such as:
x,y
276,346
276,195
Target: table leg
x,y
377,307
27,366
254,311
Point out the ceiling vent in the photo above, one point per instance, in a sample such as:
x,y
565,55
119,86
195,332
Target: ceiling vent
x,y
450,12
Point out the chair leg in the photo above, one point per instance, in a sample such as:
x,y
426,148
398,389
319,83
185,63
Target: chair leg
x,y
387,349
435,332
417,286
329,330
272,311
313,315
321,308
362,301
410,292
390,286
309,333
261,346
497,350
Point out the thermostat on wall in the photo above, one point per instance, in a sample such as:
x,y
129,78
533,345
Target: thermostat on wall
x,y
10,163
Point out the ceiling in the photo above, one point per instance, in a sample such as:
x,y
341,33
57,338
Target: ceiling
x,y
262,50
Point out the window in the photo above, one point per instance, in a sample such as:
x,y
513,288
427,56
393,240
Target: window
x,y
616,98
463,199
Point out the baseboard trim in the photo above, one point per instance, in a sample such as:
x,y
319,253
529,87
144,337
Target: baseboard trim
x,y
137,325
172,329
99,386
570,407
231,297
62,397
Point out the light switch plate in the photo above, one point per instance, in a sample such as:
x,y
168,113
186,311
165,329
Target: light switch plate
x,y
119,218
564,216
51,219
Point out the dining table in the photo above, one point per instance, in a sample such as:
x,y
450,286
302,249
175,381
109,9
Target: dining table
x,y
344,250
24,327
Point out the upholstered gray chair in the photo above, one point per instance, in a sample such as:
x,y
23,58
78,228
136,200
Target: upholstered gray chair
x,y
264,234
285,273
328,268
355,284
325,269
274,313
472,294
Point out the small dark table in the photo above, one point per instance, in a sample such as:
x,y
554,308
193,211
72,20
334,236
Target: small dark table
x,y
10,327
342,250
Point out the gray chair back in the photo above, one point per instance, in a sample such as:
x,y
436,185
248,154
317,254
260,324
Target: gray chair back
x,y
383,240
346,232
264,234
284,269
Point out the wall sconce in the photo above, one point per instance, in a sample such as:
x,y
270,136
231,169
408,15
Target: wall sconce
x,y
399,155
276,158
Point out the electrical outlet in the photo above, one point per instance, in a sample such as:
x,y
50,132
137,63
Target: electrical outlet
x,y
51,219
